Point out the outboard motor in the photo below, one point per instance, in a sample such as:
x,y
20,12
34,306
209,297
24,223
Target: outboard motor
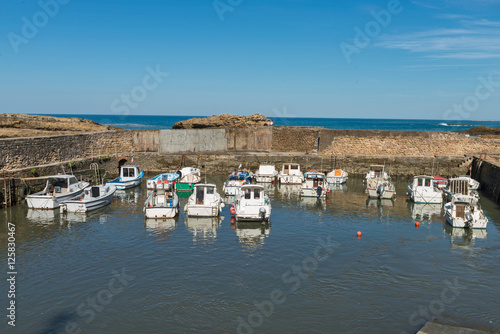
x,y
380,189
262,213
319,190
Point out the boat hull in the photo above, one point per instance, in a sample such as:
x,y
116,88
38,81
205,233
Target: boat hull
x,y
252,213
461,223
372,192
88,205
122,185
419,198
388,194
161,212
45,202
203,210
184,186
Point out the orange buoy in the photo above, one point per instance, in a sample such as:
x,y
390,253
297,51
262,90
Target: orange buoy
x,y
359,234
417,224
233,211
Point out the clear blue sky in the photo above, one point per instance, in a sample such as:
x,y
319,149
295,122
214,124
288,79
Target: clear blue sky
x,y
274,57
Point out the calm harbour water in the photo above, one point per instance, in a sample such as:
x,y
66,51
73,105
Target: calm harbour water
x,y
202,276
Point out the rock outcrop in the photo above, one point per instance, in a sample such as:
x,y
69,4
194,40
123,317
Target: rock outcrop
x,y
21,125
483,131
223,121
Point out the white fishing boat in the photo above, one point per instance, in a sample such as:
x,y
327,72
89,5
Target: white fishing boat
x,y
252,204
464,212
161,181
337,176
291,174
313,185
378,183
130,176
424,190
235,181
188,177
59,188
92,198
204,202
162,204
266,174
460,186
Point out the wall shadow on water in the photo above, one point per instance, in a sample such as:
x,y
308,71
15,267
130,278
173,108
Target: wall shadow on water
x,y
58,323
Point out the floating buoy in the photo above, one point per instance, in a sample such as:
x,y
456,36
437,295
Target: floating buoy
x,y
232,210
417,224
328,191
359,234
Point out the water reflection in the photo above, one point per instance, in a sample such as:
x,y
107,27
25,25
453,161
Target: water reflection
x,y
289,190
464,237
336,187
130,195
43,217
314,203
162,229
203,228
268,187
252,233
422,211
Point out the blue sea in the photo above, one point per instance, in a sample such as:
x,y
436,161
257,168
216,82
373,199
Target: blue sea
x,y
166,122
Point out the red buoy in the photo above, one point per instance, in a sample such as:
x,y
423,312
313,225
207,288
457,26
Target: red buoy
x,y
417,224
359,234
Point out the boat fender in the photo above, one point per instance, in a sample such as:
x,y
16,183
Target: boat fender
x,y
232,210
25,191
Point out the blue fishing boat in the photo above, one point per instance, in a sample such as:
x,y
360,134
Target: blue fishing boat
x,y
130,176
162,181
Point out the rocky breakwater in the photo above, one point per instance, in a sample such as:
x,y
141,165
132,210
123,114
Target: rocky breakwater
x,y
223,121
21,125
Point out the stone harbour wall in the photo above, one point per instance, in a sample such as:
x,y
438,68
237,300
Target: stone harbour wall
x,y
35,151
403,143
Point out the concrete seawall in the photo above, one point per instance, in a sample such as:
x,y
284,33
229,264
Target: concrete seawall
x,y
487,172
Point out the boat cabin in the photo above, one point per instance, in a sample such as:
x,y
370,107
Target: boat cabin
x,y
129,172
252,193
314,179
60,184
205,193
377,171
291,169
266,170
423,181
